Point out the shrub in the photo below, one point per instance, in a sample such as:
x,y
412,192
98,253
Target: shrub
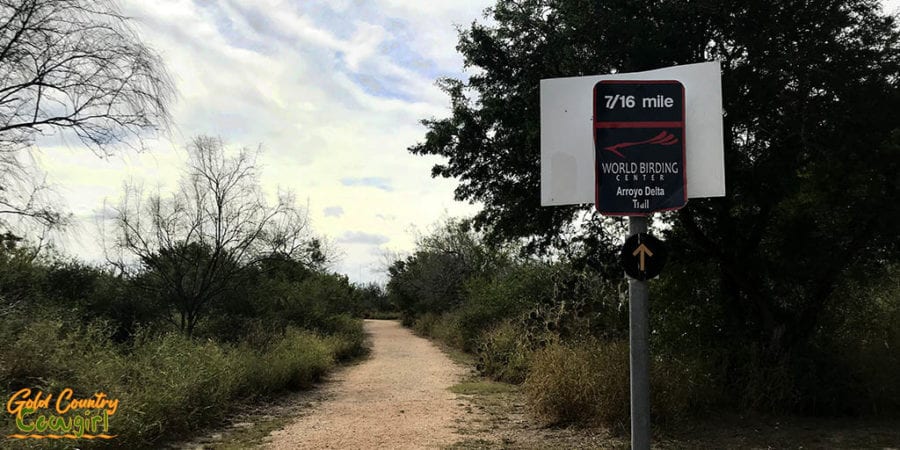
x,y
174,385
504,354
487,303
684,386
347,338
584,383
854,367
295,362
168,385
425,323
588,383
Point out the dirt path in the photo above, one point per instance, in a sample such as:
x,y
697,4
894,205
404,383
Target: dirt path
x,y
396,399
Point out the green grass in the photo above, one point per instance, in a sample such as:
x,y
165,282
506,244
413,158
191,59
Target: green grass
x,y
169,386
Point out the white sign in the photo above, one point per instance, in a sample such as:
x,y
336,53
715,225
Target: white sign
x,y
567,141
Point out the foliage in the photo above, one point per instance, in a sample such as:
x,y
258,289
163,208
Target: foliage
x,y
853,359
584,383
431,280
504,354
587,382
811,161
20,279
374,303
549,323
195,246
168,385
128,345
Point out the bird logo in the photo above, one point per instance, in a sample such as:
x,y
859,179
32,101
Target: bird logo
x,y
663,138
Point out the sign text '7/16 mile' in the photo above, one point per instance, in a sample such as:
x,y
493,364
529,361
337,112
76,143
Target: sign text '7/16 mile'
x,y
639,147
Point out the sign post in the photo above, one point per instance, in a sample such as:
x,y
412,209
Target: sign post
x,y
639,159
643,159
639,350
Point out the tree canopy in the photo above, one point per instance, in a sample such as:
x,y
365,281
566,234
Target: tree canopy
x,y
812,148
196,244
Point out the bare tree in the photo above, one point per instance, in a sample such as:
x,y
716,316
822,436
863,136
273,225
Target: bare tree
x,y
76,66
25,196
196,242
287,236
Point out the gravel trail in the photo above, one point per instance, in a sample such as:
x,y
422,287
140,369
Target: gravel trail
x,y
396,399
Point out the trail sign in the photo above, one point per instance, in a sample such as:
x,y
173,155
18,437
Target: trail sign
x,y
643,256
639,147
624,149
567,132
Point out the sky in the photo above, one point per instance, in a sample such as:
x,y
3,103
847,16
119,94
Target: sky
x,y
332,91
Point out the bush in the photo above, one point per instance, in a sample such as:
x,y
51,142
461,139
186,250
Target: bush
x,y
504,354
168,385
424,324
588,383
487,303
347,338
854,364
174,385
295,362
585,383
685,386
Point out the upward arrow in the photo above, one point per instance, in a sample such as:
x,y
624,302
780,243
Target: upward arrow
x,y
644,251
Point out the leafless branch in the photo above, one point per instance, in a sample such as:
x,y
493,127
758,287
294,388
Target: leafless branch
x,y
196,241
76,67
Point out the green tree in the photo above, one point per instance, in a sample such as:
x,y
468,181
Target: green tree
x,y
197,243
431,280
811,139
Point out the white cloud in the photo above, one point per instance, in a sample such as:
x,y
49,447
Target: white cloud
x,y
361,237
333,211
331,90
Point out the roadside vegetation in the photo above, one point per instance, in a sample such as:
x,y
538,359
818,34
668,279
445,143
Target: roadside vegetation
x,y
212,296
278,322
559,328
67,324
211,299
780,297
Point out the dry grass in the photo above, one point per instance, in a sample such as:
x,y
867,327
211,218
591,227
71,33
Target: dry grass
x,y
585,384
499,420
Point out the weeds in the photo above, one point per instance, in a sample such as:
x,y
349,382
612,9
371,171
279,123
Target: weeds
x,y
168,385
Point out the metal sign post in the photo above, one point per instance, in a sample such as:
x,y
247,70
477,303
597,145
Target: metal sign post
x,y
639,142
639,348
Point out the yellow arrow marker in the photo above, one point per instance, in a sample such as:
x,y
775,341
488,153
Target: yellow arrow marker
x,y
643,250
